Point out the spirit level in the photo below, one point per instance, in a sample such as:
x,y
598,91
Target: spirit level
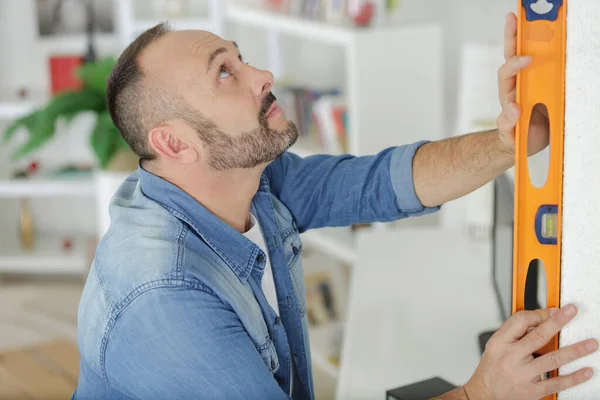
x,y
541,34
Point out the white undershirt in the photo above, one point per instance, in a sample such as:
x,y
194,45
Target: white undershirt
x,y
268,284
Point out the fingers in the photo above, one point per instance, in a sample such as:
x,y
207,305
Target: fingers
x,y
507,77
509,118
555,385
510,36
518,324
556,359
545,331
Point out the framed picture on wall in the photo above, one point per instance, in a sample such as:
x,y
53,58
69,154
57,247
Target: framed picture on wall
x,y
71,17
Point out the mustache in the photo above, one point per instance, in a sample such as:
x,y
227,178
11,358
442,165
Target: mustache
x,y
267,102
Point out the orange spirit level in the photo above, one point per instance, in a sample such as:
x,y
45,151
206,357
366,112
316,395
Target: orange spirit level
x,y
541,34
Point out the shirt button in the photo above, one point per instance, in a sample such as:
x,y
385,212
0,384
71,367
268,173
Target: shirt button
x,y
273,364
295,250
277,320
260,258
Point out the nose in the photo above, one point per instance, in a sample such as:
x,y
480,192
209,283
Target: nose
x,y
262,82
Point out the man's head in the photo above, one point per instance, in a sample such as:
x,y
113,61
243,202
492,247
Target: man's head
x,y
187,96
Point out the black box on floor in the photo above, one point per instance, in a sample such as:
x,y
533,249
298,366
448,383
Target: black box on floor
x,y
421,390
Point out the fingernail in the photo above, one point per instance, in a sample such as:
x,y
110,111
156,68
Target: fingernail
x,y
588,373
592,345
570,310
524,59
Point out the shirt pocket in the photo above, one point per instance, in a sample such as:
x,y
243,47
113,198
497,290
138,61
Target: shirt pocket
x,y
292,248
269,355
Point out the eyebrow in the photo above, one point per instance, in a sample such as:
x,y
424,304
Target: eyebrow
x,y
214,55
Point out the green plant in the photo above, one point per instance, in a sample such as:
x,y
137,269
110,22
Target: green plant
x,y
105,139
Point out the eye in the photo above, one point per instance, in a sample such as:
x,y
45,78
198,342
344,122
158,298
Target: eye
x,y
222,71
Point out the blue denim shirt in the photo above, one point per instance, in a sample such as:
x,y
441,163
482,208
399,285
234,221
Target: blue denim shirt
x,y
173,306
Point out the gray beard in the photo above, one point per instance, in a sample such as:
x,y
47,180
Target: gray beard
x,y
247,150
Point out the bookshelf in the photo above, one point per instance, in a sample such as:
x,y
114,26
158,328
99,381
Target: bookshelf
x,y
179,24
320,343
132,18
35,188
328,33
391,83
392,87
12,107
337,243
49,255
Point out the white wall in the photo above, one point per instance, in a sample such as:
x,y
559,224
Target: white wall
x,y
580,270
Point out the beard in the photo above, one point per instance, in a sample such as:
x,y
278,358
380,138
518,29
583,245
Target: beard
x,y
248,149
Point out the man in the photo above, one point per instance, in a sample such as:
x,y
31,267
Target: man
x,y
196,290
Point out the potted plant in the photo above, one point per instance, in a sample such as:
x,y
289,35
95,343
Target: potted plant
x,y
115,160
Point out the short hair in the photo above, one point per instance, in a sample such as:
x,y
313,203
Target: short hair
x,y
129,99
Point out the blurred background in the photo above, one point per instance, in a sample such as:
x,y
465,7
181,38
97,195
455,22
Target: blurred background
x,y
388,304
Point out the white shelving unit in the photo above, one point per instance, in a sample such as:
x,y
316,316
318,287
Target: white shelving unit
x,y
393,87
11,107
393,90
20,188
48,255
320,342
181,24
335,242
323,32
130,24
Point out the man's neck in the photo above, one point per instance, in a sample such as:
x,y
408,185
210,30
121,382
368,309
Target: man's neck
x,y
226,194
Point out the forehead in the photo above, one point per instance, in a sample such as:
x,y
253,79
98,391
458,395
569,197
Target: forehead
x,y
204,46
183,50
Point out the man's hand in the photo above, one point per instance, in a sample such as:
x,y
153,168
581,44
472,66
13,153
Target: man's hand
x,y
451,168
508,370
539,127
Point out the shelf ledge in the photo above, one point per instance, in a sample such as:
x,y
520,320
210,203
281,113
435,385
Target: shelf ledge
x,y
18,188
320,337
331,244
47,256
179,24
326,32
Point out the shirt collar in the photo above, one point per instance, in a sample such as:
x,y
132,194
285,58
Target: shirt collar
x,y
233,247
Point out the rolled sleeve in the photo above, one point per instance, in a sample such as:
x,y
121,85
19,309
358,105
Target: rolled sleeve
x,y
401,172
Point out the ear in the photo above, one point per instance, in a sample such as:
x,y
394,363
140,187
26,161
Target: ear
x,y
166,143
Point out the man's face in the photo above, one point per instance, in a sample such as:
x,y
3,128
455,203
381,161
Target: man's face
x,y
227,102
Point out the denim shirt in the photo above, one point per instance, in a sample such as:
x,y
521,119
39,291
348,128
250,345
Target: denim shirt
x,y
173,307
